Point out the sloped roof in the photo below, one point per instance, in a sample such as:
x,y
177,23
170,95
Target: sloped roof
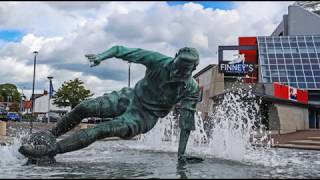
x,y
27,104
36,96
204,70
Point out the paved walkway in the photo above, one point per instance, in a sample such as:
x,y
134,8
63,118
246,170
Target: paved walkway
x,y
305,139
299,135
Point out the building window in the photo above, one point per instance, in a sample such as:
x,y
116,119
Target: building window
x,y
302,85
283,79
298,67
309,79
306,66
317,73
275,79
311,85
299,73
294,56
279,56
280,61
316,68
308,73
292,79
281,67
290,67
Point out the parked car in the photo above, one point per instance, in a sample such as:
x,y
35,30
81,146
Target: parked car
x,y
95,120
13,116
53,117
3,114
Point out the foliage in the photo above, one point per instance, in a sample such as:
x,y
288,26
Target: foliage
x,y
10,93
15,107
71,93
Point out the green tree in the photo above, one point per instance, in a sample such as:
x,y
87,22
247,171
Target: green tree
x,y
71,93
10,93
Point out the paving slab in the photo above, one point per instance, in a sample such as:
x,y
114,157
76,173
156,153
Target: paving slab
x,y
295,146
314,138
305,142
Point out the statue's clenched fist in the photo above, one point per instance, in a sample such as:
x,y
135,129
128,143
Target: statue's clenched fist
x,y
93,59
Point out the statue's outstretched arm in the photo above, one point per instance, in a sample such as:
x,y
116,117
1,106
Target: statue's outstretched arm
x,y
136,55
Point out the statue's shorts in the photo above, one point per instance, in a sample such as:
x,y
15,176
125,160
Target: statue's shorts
x,y
128,117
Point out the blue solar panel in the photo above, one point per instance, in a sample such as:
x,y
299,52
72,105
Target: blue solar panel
x,y
291,60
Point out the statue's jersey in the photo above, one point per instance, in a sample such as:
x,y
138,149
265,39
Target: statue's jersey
x,y
158,94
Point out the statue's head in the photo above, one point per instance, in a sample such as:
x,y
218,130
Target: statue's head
x,y
185,62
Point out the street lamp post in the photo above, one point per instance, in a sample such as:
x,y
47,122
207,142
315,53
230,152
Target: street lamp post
x,y
32,96
50,93
129,65
21,100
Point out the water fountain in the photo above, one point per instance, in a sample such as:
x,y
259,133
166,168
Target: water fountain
x,y
232,130
234,145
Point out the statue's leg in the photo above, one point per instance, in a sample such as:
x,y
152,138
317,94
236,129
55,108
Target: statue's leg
x,y
134,121
43,153
85,137
106,106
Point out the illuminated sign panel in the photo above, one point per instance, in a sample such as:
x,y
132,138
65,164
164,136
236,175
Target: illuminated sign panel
x,y
241,68
236,66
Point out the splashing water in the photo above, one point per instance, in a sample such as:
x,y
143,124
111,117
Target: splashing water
x,y
232,131
9,153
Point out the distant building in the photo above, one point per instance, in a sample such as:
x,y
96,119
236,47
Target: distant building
x,y
298,21
284,69
211,83
42,106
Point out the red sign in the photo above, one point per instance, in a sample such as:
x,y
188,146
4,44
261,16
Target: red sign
x,y
290,93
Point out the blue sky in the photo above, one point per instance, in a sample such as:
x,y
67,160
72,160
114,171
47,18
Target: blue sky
x,y
10,35
226,5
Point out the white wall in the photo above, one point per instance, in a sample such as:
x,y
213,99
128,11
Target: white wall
x,y
303,22
41,105
292,118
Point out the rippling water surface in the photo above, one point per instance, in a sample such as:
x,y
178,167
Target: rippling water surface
x,y
120,159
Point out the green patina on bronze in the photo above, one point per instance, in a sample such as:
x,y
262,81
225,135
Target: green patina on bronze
x,y
167,81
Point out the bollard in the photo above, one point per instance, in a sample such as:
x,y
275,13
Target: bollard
x,y
3,128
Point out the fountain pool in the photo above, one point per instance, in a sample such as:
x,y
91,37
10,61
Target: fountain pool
x,y
230,148
126,159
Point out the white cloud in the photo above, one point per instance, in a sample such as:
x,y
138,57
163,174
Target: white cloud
x,y
64,32
14,71
37,43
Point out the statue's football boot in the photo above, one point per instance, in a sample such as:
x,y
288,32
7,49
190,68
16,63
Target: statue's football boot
x,y
38,144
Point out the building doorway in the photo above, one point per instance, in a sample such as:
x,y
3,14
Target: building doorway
x,y
314,119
